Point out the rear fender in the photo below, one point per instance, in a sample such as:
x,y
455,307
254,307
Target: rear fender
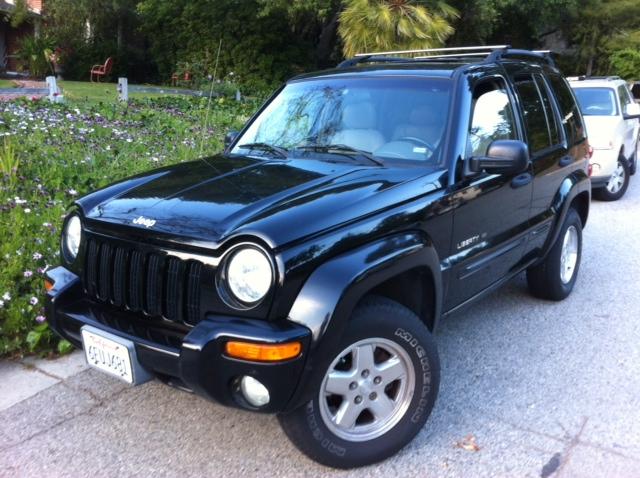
x,y
574,185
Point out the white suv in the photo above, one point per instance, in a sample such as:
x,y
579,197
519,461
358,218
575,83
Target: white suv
x,y
611,118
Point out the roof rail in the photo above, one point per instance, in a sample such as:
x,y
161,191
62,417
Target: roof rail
x,y
486,54
585,77
487,48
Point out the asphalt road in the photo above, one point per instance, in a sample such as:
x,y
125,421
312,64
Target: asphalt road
x,y
545,389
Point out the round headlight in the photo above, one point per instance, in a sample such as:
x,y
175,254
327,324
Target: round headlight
x,y
72,236
249,275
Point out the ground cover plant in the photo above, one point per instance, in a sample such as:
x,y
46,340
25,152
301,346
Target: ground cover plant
x,y
50,154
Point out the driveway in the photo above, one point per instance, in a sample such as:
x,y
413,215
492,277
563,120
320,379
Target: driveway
x,y
543,389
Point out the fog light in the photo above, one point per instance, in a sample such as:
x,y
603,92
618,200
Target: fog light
x,y
254,392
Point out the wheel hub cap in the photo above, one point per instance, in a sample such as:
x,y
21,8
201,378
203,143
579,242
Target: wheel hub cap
x,y
569,255
367,389
617,179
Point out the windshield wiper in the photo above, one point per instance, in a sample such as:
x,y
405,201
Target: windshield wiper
x,y
282,152
342,149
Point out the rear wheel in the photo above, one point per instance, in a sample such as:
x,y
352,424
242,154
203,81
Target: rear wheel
x,y
554,278
375,395
617,185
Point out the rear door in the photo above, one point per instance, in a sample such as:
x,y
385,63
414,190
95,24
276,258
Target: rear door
x,y
491,210
552,158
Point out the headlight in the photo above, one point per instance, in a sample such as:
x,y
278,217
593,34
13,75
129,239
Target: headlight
x,y
249,275
71,237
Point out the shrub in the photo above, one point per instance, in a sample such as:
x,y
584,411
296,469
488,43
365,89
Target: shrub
x,y
33,53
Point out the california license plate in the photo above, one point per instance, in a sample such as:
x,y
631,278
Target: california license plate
x,y
108,353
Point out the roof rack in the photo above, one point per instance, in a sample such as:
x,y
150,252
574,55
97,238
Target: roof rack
x,y
485,53
585,77
487,48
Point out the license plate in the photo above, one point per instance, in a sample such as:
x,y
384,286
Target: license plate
x,y
108,353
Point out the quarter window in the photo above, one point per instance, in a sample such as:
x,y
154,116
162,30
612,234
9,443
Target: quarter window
x,y
492,118
569,111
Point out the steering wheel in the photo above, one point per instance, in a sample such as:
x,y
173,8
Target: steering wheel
x,y
419,141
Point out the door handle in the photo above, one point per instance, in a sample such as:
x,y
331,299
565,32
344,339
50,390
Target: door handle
x,y
566,160
521,180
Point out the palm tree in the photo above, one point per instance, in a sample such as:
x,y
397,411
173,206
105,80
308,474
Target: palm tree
x,y
377,25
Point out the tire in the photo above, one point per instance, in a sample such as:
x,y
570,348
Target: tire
x,y
408,400
617,185
634,163
546,280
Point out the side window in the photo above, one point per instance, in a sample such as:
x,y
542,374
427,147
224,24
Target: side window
x,y
552,122
569,110
535,116
491,117
625,98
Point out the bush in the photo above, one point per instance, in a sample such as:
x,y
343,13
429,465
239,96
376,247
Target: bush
x,y
33,53
55,153
626,63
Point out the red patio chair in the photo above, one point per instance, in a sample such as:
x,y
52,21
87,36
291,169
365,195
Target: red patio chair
x,y
101,70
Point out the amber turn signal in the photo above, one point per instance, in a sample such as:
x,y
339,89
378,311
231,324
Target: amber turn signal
x,y
48,285
263,352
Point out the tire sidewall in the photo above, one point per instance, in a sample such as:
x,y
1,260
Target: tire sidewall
x,y
573,219
603,192
407,331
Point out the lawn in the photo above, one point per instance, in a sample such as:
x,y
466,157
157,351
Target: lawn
x,y
52,154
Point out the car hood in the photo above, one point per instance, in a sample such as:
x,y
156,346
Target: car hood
x,y
207,201
601,130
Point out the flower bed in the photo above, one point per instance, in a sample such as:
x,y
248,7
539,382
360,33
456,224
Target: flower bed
x,y
50,154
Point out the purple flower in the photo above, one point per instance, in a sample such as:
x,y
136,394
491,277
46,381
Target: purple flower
x,y
40,319
33,301
27,274
37,256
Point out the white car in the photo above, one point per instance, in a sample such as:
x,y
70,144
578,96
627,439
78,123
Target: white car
x,y
611,118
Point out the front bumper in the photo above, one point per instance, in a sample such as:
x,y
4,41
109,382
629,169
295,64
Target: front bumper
x,y
190,358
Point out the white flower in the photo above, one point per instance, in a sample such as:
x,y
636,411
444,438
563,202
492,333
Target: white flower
x,y
72,192
27,210
6,297
33,300
1,304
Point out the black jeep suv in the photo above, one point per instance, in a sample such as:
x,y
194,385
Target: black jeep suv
x,y
305,269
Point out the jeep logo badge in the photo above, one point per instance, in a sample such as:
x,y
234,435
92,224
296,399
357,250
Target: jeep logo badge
x,y
143,221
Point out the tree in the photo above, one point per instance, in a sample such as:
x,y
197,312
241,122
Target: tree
x,y
375,25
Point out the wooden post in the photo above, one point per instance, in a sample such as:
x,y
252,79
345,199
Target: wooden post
x,y
123,89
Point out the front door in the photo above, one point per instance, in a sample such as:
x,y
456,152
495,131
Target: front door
x,y
491,211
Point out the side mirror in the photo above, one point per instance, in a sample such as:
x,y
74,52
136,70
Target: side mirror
x,y
230,138
631,111
504,156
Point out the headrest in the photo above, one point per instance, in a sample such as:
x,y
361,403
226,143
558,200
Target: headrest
x,y
359,116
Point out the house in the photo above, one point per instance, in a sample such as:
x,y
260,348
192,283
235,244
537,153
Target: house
x,y
10,36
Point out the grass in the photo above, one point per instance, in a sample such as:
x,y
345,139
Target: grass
x,y
7,84
54,153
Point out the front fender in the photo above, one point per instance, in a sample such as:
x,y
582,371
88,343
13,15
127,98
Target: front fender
x,y
333,290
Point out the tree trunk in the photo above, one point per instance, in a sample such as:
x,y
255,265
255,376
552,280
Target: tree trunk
x,y
326,41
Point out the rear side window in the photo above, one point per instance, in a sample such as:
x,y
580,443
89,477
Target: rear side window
x,y
491,119
569,111
552,122
535,115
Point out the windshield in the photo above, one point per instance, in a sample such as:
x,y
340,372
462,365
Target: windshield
x,y
389,118
597,101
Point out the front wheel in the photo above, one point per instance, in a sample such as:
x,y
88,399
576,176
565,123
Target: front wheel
x,y
375,395
555,276
617,184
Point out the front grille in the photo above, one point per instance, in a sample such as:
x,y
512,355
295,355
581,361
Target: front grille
x,y
144,282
